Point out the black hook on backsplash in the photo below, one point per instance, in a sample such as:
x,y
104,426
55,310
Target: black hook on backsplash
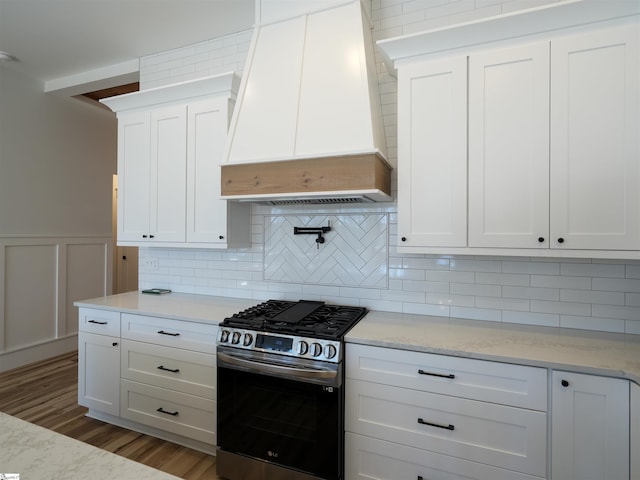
x,y
313,231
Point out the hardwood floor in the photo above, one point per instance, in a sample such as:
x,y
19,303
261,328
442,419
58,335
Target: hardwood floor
x,y
46,394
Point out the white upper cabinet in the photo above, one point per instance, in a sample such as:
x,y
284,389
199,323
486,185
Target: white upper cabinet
x,y
168,174
552,150
134,175
432,106
509,147
170,144
595,135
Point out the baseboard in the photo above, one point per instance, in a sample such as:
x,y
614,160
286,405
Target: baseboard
x,y
36,353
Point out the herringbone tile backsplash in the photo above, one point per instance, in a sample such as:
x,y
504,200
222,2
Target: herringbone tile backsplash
x,y
354,253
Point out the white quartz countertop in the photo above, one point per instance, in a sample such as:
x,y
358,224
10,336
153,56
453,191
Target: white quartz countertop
x,y
40,454
615,355
179,306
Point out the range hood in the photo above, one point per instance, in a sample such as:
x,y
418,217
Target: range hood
x,y
307,127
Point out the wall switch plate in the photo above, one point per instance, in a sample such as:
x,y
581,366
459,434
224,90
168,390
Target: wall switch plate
x,y
150,263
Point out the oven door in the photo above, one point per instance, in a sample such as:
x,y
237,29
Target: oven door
x,y
277,412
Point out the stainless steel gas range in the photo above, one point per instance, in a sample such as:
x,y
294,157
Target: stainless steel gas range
x,y
280,391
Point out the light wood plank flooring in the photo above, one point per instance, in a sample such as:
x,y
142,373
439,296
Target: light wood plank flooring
x,y
46,394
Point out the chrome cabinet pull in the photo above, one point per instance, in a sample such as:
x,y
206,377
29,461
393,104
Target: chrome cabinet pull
x,y
446,427
97,322
162,410
162,367
162,332
441,375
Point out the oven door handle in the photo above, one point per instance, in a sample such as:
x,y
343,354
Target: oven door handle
x,y
258,366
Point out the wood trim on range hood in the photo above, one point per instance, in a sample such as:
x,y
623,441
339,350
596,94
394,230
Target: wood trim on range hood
x,y
352,178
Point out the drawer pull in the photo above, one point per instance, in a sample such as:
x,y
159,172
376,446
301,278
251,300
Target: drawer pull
x,y
441,375
162,332
162,410
162,367
97,322
446,427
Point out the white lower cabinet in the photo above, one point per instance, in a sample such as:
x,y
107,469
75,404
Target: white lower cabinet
x,y
150,374
411,415
98,372
590,427
99,360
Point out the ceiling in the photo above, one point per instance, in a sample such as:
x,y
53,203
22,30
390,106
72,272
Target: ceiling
x,y
54,39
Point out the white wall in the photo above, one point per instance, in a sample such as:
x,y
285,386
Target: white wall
x,y
57,157
575,293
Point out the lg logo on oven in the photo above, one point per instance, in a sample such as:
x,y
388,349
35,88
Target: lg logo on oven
x,y
272,454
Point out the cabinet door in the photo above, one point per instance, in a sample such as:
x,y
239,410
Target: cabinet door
x,y
432,155
134,137
509,147
595,132
590,427
99,372
168,174
207,133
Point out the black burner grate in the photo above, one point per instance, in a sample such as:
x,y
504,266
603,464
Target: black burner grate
x,y
304,318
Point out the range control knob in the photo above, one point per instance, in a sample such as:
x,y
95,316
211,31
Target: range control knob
x,y
224,336
316,349
248,339
330,351
303,347
235,338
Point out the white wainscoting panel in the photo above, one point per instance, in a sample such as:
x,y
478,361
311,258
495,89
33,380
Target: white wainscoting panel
x,y
355,251
40,278
30,294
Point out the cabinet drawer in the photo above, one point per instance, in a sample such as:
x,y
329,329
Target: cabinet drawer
x,y
103,322
495,382
171,333
505,437
187,415
173,368
367,458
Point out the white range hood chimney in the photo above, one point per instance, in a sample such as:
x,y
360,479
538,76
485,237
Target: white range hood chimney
x,y
307,126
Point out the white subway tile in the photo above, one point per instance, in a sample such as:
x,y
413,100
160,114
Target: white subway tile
x,y
476,289
449,276
631,299
537,293
592,270
511,279
416,286
616,311
592,296
425,309
632,271
475,265
550,281
616,285
566,308
448,299
476,314
401,296
518,304
537,268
